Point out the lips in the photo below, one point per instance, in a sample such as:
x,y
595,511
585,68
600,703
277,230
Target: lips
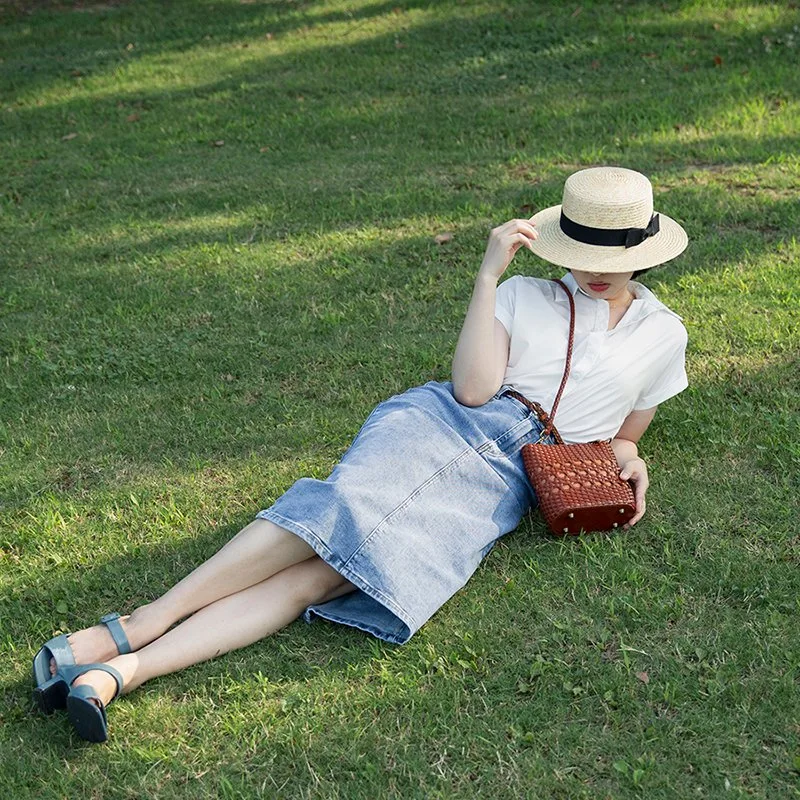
x,y
599,287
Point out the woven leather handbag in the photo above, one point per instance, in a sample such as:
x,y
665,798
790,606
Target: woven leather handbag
x,y
578,485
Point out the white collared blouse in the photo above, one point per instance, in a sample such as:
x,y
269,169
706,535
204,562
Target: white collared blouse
x,y
635,366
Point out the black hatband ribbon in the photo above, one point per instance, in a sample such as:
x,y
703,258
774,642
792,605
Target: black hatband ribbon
x,y
609,237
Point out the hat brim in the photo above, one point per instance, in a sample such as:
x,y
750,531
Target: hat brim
x,y
555,246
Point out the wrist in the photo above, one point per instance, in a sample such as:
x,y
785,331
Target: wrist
x,y
625,450
486,278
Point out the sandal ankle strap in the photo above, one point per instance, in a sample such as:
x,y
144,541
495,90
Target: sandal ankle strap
x,y
111,621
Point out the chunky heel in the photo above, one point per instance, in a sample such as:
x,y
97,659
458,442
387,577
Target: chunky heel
x,y
87,714
85,709
51,695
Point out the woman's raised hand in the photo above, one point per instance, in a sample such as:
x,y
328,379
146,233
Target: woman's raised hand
x,y
504,241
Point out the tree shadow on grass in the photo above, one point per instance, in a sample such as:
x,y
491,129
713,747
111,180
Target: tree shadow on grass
x,y
341,185
91,38
465,88
380,182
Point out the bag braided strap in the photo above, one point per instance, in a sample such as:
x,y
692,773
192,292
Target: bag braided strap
x,y
577,485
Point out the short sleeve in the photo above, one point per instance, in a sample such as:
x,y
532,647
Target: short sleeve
x,y
505,302
669,381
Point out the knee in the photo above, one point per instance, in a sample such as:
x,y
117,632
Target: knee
x,y
271,538
313,581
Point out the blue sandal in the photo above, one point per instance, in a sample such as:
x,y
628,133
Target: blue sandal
x,y
85,709
51,691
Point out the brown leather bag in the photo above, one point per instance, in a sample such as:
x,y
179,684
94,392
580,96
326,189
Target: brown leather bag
x,y
578,485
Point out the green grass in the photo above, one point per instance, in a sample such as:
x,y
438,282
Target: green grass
x,y
187,328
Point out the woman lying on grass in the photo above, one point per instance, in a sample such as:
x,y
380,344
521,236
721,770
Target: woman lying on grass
x,y
435,475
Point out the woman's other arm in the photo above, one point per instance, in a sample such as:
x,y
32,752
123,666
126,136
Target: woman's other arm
x,y
633,468
481,356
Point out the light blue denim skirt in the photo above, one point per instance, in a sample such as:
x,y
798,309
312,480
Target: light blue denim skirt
x,y
420,497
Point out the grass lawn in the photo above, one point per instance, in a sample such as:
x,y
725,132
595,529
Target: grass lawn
x,y
218,226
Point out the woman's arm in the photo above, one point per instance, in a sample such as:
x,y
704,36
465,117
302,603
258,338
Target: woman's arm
x,y
481,355
633,468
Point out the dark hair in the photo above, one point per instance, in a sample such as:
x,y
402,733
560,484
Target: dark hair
x,y
639,272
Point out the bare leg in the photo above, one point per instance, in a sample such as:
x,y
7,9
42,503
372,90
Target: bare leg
x,y
259,550
227,624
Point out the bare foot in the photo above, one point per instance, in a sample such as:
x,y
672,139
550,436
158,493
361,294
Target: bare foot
x,y
92,645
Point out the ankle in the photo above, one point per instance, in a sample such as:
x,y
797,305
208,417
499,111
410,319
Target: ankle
x,y
146,623
128,667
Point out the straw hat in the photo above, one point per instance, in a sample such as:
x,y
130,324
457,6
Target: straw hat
x,y
606,223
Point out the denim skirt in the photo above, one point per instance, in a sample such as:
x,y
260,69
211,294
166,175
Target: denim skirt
x,y
420,497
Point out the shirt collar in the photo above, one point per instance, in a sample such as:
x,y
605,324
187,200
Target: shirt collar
x,y
571,284
644,301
